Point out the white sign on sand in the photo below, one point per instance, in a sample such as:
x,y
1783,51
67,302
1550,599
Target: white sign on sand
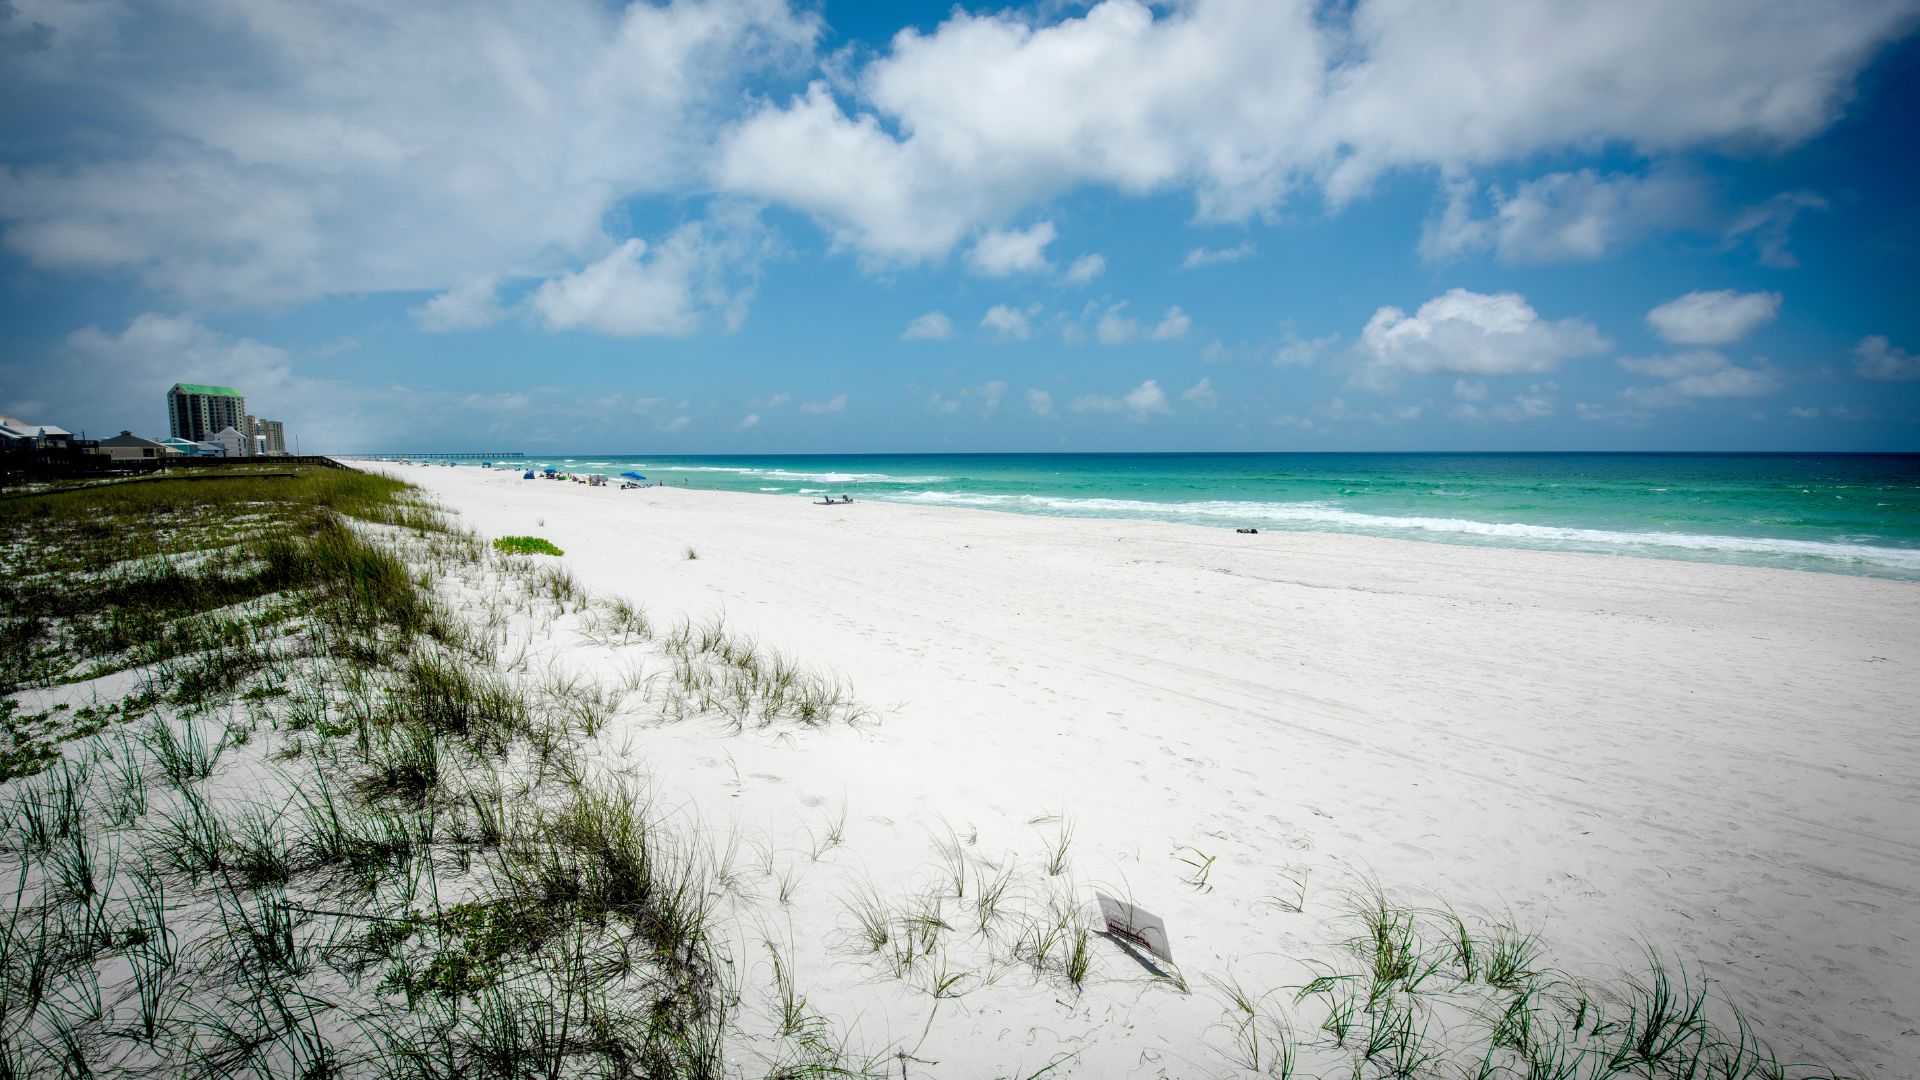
x,y
1139,926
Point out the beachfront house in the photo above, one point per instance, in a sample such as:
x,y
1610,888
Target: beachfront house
x,y
17,434
232,443
42,449
127,446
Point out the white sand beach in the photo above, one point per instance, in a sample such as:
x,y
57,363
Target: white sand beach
x,y
1720,762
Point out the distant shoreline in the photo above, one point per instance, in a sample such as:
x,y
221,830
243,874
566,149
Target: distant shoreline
x,y
1856,515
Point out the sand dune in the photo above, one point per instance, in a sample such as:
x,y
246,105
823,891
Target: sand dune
x,y
1721,761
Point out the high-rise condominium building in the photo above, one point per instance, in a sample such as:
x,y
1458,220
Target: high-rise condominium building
x,y
199,412
275,433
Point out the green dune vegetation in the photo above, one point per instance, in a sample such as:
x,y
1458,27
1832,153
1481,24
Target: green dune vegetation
x,y
286,794
525,545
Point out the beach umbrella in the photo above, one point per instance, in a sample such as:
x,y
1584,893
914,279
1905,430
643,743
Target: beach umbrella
x,y
551,469
633,475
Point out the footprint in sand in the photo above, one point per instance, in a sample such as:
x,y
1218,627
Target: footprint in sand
x,y
768,777
812,800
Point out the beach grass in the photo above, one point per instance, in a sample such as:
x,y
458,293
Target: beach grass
x,y
525,545
296,856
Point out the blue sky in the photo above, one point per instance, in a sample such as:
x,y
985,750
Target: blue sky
x,y
755,226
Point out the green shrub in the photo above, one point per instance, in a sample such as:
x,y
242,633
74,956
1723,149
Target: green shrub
x,y
525,545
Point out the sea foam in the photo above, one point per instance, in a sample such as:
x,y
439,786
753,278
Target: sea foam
x,y
1320,517
812,477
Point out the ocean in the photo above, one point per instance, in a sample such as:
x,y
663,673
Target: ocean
x,y
1844,513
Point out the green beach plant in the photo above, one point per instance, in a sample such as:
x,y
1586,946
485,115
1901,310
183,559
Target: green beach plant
x,y
525,545
990,893
1057,858
873,919
186,754
1201,865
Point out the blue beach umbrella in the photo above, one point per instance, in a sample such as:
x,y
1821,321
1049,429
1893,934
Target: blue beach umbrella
x,y
633,475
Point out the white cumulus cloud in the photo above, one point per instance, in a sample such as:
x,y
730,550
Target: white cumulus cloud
x,y
1116,327
1005,252
700,270
984,399
1833,412
1713,318
834,404
1876,358
1040,402
1007,323
1766,226
1563,217
1469,333
310,150
1205,256
1085,269
1202,395
623,294
1140,403
1535,403
1172,326
1244,103
307,150
1296,351
1701,373
469,305
933,326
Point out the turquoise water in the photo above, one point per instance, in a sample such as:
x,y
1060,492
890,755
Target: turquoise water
x,y
1841,513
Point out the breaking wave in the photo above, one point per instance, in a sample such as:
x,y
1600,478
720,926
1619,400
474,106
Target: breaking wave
x,y
1320,517
810,477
